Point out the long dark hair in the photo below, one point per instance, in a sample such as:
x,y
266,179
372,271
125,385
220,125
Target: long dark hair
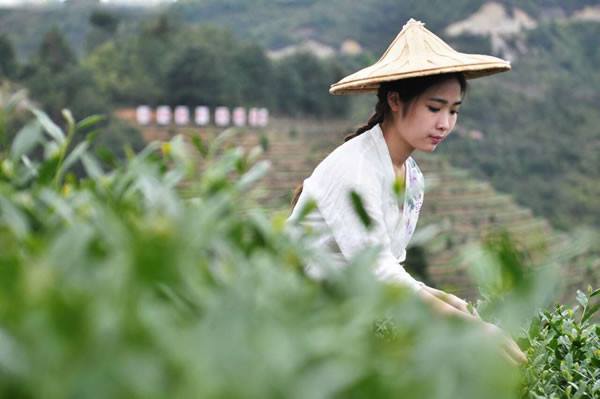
x,y
408,90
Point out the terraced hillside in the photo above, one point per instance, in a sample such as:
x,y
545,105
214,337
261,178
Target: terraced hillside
x,y
463,209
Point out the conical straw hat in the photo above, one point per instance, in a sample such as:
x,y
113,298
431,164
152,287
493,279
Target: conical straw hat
x,y
417,52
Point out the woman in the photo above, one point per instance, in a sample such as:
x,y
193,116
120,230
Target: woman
x,y
420,83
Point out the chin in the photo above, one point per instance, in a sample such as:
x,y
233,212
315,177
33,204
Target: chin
x,y
428,148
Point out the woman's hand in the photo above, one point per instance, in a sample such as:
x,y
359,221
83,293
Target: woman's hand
x,y
453,301
462,305
512,350
450,304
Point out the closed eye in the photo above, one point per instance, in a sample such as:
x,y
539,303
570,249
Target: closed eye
x,y
433,109
454,112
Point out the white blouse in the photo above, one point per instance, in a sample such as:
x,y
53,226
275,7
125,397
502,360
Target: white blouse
x,y
363,164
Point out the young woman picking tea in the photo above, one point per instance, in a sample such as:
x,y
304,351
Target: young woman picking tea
x,y
420,83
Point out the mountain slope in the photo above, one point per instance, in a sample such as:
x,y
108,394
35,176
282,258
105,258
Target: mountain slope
x,y
462,208
533,132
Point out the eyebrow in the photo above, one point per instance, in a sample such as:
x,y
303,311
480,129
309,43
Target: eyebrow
x,y
443,101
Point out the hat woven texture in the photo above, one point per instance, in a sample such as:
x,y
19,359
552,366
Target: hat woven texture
x,y
416,51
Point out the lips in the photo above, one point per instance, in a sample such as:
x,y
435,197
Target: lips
x,y
436,139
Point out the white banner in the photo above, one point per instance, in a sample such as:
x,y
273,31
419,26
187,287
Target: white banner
x,y
143,115
202,115
253,117
182,115
163,115
239,116
222,116
263,117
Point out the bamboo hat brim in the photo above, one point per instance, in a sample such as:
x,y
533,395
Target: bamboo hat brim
x,y
416,51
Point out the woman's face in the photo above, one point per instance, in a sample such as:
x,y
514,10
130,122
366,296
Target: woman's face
x,y
430,117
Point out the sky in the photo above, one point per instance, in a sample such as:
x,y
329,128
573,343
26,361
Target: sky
x,y
17,3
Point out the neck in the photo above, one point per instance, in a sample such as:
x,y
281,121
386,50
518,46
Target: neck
x,y
399,149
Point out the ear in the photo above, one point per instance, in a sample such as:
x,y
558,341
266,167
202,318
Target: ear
x,y
393,99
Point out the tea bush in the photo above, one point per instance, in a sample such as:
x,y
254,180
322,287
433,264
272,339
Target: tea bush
x,y
564,352
117,285
562,345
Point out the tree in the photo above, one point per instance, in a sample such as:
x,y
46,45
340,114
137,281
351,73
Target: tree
x,y
55,52
255,75
198,76
104,26
302,87
288,88
105,21
8,64
161,27
121,75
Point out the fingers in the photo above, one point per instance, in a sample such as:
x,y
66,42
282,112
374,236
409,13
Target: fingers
x,y
463,306
458,303
510,346
513,356
472,311
514,351
509,359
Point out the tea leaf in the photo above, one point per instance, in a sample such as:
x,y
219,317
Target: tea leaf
x,y
92,167
360,209
589,313
26,139
48,170
89,121
308,207
218,142
74,155
50,127
582,298
68,117
253,175
200,145
13,218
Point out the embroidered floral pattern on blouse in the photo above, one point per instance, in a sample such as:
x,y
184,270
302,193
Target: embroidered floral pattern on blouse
x,y
413,198
419,204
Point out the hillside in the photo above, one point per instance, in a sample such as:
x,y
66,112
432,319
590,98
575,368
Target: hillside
x,y
533,132
463,209
26,27
278,23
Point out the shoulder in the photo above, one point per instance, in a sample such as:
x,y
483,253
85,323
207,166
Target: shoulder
x,y
354,165
354,160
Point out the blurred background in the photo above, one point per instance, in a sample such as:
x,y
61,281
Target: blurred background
x,y
523,158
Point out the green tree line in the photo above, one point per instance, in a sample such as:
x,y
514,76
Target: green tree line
x,y
167,62
274,23
170,63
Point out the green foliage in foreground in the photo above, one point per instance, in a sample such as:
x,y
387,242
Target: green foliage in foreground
x,y
116,286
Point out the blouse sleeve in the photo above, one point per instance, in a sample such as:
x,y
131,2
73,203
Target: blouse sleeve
x,y
348,230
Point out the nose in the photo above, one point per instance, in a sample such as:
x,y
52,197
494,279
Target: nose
x,y
443,122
